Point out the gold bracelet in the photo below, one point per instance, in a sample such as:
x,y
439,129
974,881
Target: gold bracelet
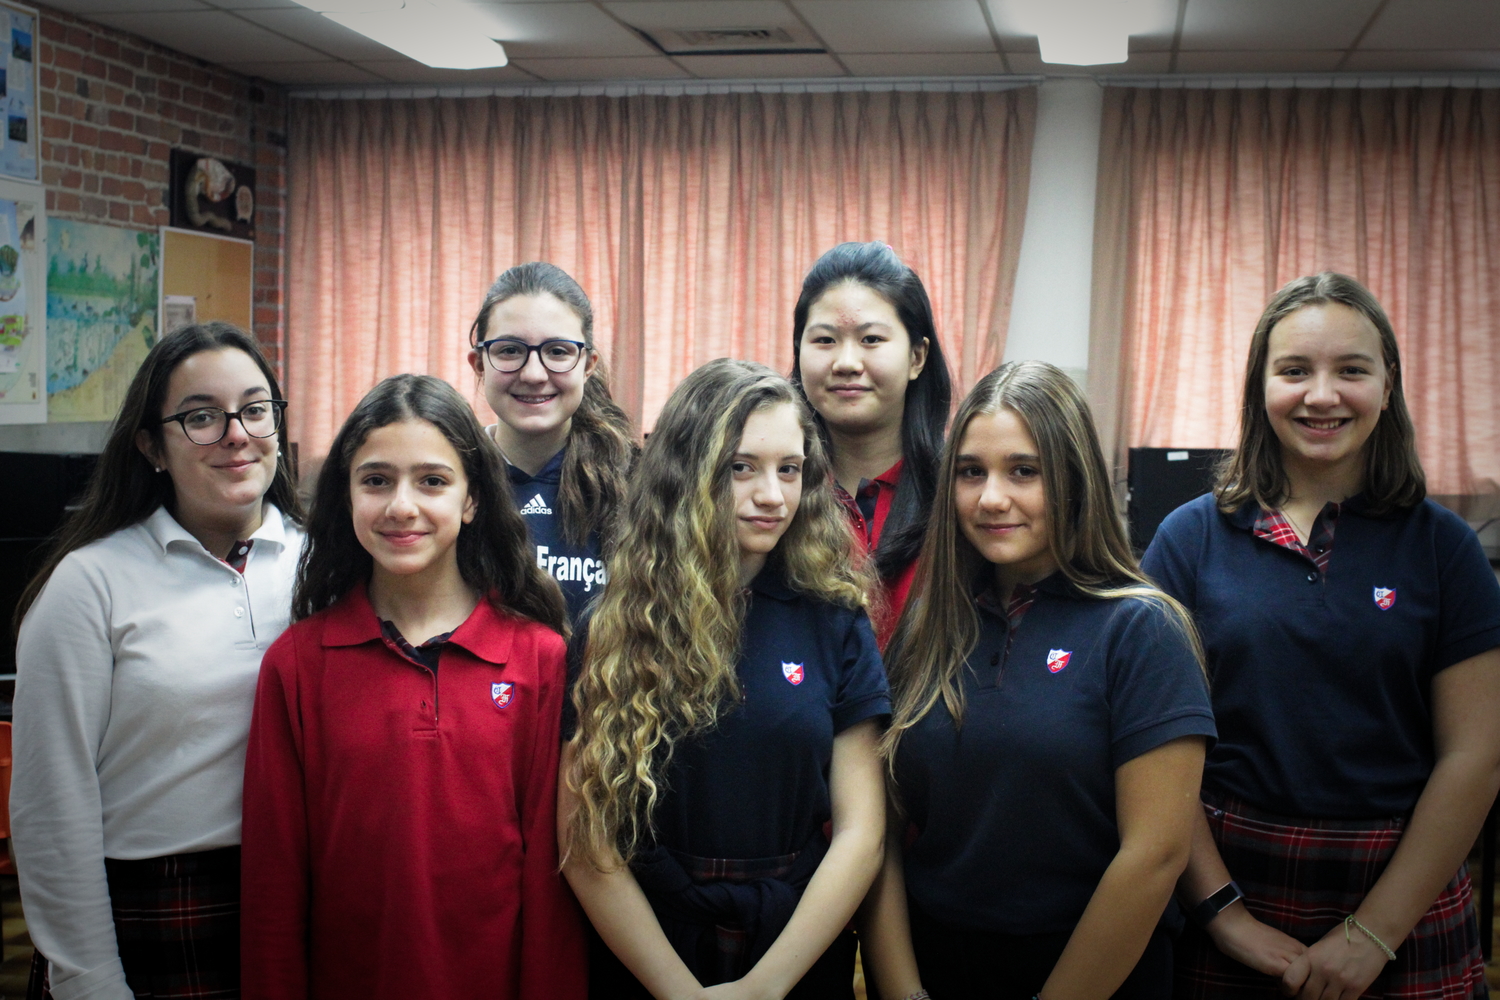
x,y
1389,955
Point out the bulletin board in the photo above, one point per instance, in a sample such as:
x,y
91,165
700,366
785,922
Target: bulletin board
x,y
20,129
216,273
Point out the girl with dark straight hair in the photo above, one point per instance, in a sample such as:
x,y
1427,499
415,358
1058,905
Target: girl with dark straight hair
x,y
867,359
401,781
139,645
1049,725
568,447
1358,690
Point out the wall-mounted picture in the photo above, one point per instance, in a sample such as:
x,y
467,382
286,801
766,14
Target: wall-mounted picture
x,y
212,195
18,87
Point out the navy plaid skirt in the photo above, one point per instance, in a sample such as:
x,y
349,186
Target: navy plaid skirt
x,y
177,924
1303,877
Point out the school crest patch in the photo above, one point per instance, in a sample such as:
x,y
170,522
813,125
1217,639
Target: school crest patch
x,y
792,672
502,693
1057,659
1385,597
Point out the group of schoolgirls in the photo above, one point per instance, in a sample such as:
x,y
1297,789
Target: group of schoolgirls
x,y
717,762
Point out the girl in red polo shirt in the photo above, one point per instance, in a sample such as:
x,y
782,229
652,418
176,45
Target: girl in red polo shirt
x,y
869,363
401,779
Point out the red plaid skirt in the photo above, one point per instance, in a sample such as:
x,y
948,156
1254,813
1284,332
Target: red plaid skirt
x,y
1303,877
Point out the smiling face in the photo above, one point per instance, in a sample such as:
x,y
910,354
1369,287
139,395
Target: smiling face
x,y
1326,384
409,498
766,474
856,360
217,487
1001,505
534,403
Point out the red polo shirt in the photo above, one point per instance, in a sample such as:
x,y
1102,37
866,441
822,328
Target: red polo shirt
x,y
897,587
400,823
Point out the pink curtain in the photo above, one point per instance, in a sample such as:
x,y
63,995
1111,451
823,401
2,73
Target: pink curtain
x,y
689,220
1211,200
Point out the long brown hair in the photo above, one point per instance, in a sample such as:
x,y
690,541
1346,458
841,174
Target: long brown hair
x,y
601,443
940,627
125,489
493,555
1254,470
664,641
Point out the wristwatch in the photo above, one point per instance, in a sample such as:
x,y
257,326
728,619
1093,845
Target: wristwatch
x,y
1215,904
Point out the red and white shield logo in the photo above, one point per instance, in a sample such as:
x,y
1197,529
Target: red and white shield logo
x,y
501,693
792,672
1057,659
1385,597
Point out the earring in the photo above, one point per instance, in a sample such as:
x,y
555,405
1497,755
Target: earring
x,y
159,468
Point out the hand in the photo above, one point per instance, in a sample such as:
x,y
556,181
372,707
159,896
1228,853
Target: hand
x,y
1262,947
740,989
1334,968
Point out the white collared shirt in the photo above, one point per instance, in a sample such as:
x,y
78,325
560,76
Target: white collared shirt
x,y
136,672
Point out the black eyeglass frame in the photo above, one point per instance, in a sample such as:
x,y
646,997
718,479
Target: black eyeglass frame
x,y
484,348
277,405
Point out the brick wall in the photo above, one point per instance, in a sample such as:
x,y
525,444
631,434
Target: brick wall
x,y
112,108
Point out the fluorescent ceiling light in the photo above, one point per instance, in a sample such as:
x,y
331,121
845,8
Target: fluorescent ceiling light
x,y
437,34
1083,32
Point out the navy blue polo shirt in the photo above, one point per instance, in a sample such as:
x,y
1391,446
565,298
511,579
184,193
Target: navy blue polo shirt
x,y
1016,808
756,785
578,569
1322,682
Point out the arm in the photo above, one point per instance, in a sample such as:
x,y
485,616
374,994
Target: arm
x,y
554,958
1448,815
1156,796
856,783
65,664
620,911
275,874
884,922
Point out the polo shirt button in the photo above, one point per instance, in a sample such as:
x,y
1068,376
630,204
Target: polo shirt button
x,y
236,581
1312,577
239,612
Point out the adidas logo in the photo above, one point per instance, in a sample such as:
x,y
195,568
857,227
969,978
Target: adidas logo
x,y
536,505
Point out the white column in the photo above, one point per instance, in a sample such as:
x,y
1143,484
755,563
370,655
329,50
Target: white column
x,y
1049,316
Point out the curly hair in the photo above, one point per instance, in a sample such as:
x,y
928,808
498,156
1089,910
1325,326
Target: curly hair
x,y
663,642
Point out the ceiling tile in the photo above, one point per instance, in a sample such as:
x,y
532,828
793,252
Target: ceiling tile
x,y
719,14
899,25
924,64
1435,24
755,67
411,71
92,8
214,35
1446,61
1259,62
255,4
1139,62
559,29
1239,25
626,68
312,28
304,73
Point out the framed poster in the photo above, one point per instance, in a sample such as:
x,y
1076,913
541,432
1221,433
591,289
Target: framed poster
x,y
20,128
23,303
212,195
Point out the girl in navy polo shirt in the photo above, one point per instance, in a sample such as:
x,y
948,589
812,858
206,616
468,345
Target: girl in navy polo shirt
x,y
1049,725
869,363
722,809
568,448
401,780
1351,629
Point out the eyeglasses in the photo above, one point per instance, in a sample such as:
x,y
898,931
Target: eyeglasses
x,y
508,354
209,424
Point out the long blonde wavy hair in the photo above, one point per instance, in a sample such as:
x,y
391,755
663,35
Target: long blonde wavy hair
x,y
664,640
940,627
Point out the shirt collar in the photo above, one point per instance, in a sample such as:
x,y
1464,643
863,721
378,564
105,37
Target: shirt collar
x,y
769,581
166,531
891,477
549,473
485,633
1250,511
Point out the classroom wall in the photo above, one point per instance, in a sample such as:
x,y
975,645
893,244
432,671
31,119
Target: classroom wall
x,y
112,107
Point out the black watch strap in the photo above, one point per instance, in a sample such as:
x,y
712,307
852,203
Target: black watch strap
x,y
1215,904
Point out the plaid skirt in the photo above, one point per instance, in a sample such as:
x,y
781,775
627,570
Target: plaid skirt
x,y
1303,877
177,926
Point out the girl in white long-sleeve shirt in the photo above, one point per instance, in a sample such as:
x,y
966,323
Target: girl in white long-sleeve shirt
x,y
136,667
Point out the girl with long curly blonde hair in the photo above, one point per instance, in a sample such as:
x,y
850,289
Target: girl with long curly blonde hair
x,y
721,812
